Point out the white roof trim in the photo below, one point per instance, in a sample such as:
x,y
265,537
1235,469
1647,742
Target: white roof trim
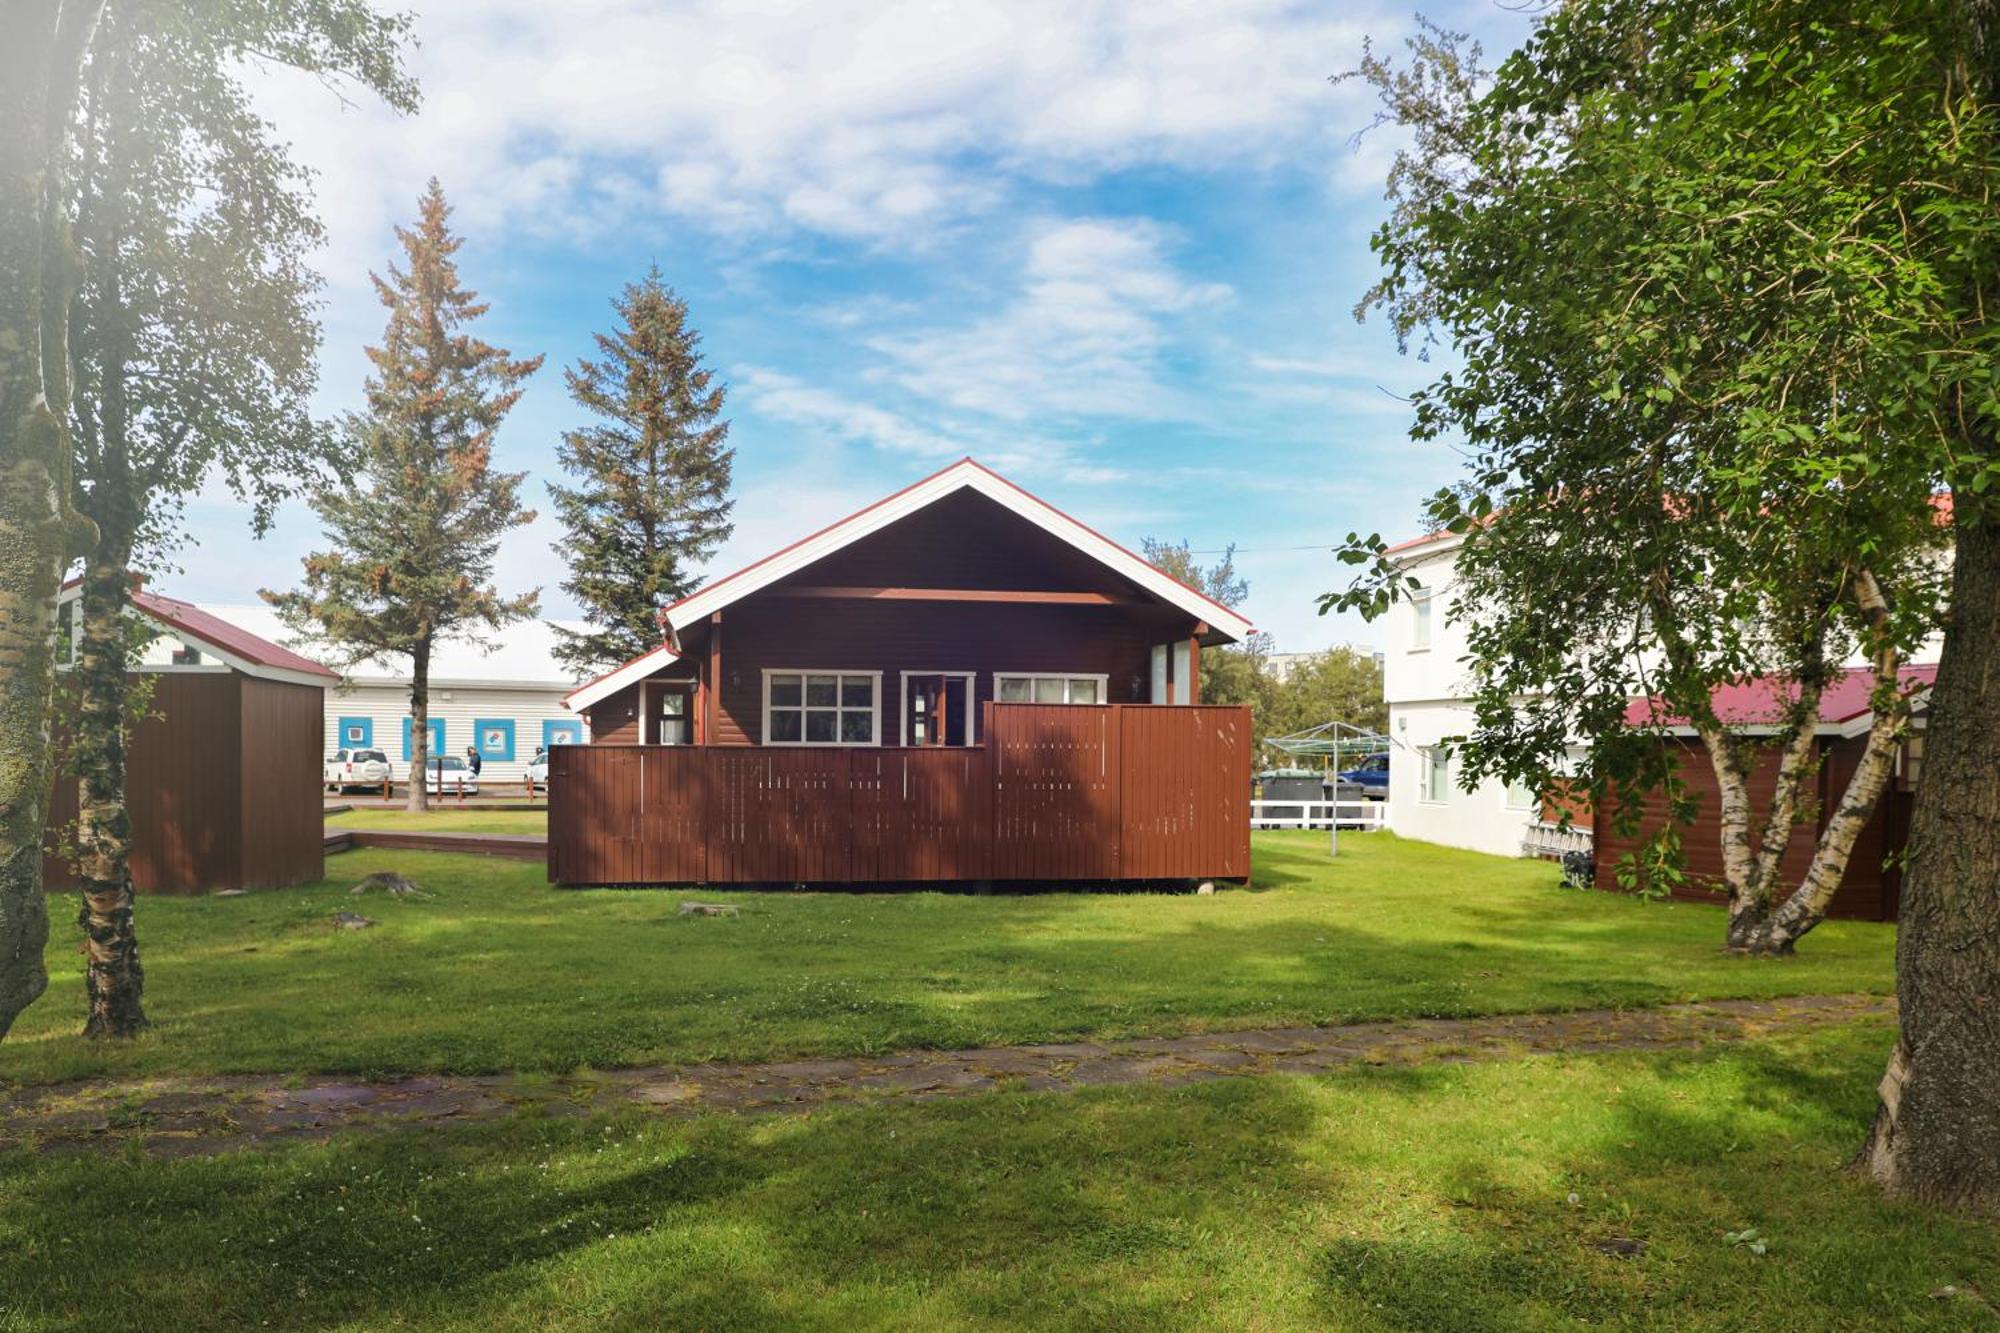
x,y
963,475
592,692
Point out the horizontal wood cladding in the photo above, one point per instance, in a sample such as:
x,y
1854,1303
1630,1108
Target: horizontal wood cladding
x,y
1057,793
1870,890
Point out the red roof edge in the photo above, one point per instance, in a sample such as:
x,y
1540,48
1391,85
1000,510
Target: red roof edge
x,y
218,633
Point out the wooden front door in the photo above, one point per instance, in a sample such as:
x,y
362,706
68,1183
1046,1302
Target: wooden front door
x,y
937,710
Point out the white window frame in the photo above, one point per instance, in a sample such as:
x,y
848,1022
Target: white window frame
x,y
1432,754
1103,684
971,679
1420,618
875,711
1529,803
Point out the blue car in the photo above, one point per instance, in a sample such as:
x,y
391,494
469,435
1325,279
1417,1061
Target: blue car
x,y
1371,775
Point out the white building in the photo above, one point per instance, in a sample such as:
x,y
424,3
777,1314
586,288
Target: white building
x,y
1424,683
504,701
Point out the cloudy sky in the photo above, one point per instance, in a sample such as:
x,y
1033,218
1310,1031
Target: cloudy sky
x,y
1109,249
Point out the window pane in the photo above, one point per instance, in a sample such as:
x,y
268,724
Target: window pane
x,y
673,705
1048,690
1015,690
820,690
785,692
1083,691
820,726
857,691
785,725
857,728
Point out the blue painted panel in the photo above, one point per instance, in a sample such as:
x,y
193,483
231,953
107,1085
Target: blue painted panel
x,y
355,733
436,729
561,731
494,737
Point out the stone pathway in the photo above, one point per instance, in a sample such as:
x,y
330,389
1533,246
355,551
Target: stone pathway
x,y
194,1116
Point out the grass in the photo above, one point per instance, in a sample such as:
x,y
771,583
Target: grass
x,y
501,972
445,820
1462,1197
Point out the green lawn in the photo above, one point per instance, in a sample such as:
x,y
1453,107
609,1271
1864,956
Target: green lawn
x,y
446,820
502,972
1446,1197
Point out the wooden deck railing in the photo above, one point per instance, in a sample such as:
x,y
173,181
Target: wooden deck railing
x,y
1054,793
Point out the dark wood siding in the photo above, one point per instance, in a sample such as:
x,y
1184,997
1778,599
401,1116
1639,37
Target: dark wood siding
x,y
284,739
222,782
1058,793
1869,891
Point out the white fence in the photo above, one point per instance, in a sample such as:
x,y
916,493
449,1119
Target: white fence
x,y
1362,814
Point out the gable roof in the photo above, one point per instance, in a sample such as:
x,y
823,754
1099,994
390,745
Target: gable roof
x,y
964,475
1762,700
238,647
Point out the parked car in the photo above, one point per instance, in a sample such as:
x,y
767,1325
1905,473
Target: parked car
x,y
448,775
1370,776
354,768
538,769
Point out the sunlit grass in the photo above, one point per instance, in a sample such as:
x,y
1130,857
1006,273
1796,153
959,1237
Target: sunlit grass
x,y
445,820
502,972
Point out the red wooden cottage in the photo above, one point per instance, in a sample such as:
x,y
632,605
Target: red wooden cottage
x,y
1871,890
959,682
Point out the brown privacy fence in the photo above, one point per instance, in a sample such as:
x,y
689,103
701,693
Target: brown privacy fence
x,y
1055,792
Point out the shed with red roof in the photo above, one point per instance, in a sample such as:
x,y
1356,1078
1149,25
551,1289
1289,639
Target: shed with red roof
x,y
222,774
1871,890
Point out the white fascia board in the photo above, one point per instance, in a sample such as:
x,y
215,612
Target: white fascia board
x,y
962,476
592,692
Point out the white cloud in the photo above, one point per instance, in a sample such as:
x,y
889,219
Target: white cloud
x,y
1085,335
847,117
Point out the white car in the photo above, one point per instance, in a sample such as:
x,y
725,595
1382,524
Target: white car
x,y
538,769
354,768
448,775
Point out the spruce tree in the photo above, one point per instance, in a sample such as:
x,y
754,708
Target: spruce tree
x,y
413,542
651,501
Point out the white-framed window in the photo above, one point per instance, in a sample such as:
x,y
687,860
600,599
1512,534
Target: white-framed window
x,y
1020,687
1436,774
822,707
1420,619
1521,796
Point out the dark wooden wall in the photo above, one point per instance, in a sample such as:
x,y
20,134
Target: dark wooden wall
x,y
1870,890
222,782
284,739
964,541
1057,793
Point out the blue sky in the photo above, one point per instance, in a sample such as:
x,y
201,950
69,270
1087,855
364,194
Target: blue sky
x,y
1108,249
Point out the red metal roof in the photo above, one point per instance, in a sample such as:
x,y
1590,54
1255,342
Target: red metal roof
x,y
1762,701
191,620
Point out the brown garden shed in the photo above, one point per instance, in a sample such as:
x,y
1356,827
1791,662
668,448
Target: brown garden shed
x,y
223,771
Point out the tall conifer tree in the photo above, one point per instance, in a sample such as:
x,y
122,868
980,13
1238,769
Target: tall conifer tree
x,y
413,543
651,501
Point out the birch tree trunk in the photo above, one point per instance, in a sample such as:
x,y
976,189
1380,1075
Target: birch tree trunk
x,y
113,979
40,58
1936,1135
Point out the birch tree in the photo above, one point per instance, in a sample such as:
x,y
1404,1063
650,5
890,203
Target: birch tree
x,y
1718,276
40,62
196,347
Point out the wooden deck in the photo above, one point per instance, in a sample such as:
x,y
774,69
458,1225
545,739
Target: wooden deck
x,y
1094,794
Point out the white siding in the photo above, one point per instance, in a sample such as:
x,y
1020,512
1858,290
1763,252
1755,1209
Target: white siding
x,y
461,707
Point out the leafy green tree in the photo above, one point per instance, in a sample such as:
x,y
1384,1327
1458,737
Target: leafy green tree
x,y
651,502
1218,581
413,543
41,61
195,346
1718,274
1341,684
